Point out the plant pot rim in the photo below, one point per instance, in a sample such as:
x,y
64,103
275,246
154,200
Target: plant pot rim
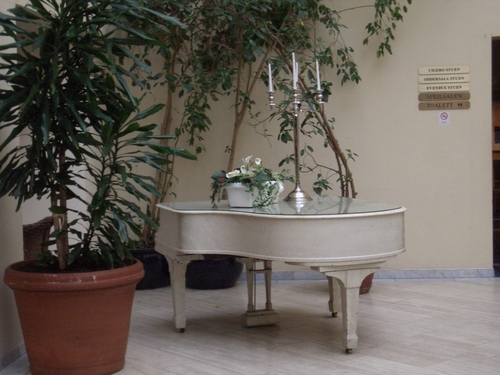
x,y
22,280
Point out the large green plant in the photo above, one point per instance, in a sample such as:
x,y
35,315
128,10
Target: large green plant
x,y
224,51
66,73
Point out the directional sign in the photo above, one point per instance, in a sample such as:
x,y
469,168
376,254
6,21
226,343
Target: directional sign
x,y
444,87
443,105
444,78
443,96
459,69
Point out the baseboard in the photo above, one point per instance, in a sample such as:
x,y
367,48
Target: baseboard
x,y
12,356
438,273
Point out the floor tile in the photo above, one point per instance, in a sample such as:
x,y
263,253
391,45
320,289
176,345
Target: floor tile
x,y
410,327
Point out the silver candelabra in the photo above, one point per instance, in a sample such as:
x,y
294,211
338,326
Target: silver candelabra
x,y
297,195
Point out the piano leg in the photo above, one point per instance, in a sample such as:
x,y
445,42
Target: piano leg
x,y
177,268
350,317
350,282
335,303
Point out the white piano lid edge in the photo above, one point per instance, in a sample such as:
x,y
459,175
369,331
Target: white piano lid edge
x,y
282,216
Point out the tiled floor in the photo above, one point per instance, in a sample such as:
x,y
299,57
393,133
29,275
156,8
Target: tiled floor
x,y
408,327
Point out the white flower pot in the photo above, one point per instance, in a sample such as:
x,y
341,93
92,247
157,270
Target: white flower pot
x,y
239,196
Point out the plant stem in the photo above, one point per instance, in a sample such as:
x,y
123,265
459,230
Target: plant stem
x,y
60,220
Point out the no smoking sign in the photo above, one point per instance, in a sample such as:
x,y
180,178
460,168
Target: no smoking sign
x,y
444,117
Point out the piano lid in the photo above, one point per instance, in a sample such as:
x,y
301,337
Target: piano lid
x,y
320,205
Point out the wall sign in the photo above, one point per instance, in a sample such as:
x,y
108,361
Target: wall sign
x,y
444,118
444,70
440,96
444,78
444,87
444,105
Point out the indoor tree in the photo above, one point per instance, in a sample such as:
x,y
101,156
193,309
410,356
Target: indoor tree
x,y
225,50
67,68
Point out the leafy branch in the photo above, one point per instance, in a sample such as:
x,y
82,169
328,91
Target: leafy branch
x,y
225,48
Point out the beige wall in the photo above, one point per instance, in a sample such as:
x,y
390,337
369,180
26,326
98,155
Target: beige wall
x,y
12,245
441,173
11,240
12,251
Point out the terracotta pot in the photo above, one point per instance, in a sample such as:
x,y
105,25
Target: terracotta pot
x,y
366,285
75,323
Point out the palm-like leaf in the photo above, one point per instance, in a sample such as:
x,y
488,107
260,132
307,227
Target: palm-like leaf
x,y
66,69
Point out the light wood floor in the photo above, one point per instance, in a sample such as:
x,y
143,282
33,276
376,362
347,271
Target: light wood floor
x,y
419,327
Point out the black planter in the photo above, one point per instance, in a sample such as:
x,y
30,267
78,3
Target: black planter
x,y
213,273
156,274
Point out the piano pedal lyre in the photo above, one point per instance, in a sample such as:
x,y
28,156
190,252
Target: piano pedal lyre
x,y
253,317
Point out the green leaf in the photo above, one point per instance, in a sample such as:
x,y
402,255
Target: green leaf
x,y
122,228
148,112
58,209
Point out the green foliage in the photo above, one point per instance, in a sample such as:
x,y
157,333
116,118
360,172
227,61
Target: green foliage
x,y
227,44
387,13
68,68
297,33
224,51
255,176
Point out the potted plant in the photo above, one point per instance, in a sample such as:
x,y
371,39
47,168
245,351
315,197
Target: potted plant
x,y
251,185
74,134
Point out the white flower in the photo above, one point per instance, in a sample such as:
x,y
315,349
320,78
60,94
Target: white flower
x,y
233,173
243,169
281,187
258,161
246,161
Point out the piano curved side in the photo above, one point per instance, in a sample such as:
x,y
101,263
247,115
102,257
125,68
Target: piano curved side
x,y
348,238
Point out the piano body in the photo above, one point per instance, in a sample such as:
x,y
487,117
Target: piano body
x,y
346,239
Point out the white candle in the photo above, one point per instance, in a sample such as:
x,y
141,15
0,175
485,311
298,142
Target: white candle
x,y
317,76
296,73
270,79
294,65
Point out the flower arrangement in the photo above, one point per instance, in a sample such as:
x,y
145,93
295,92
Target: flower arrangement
x,y
255,177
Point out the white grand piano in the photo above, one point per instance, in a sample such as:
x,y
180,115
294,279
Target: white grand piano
x,y
345,239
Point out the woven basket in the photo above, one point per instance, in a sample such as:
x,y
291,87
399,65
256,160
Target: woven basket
x,y
34,236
